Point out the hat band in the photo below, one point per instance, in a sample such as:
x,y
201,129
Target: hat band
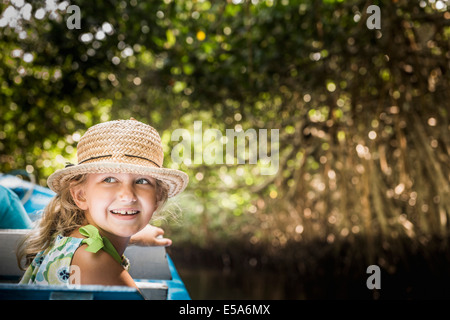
x,y
93,158
128,155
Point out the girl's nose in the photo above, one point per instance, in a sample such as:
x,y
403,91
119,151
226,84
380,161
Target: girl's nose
x,y
127,194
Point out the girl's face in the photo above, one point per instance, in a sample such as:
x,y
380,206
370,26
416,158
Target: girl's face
x,y
119,204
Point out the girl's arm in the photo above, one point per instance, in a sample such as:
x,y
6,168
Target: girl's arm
x,y
150,236
100,268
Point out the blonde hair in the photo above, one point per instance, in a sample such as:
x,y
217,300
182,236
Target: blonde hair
x,y
62,216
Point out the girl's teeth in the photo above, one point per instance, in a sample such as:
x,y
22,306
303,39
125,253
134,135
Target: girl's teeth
x,y
124,212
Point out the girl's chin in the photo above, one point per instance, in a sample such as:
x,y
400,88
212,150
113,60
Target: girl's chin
x,y
124,231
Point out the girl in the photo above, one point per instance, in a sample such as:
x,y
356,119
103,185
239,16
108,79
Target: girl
x,y
100,203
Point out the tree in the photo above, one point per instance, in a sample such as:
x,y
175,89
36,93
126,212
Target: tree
x,y
362,113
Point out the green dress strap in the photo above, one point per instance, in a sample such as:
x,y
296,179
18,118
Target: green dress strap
x,y
96,242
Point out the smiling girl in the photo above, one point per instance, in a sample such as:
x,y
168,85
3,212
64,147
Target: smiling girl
x,y
100,203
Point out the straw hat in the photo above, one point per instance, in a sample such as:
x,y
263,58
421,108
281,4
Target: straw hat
x,y
121,146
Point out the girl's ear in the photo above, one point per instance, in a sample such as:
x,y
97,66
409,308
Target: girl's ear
x,y
78,196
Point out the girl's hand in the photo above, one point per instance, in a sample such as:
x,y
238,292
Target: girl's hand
x,y
150,236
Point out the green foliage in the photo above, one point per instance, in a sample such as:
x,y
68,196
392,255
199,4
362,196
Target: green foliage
x,y
363,114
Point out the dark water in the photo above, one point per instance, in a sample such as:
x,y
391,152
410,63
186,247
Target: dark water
x,y
218,284
316,271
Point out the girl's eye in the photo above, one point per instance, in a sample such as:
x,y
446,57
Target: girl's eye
x,y
110,180
142,181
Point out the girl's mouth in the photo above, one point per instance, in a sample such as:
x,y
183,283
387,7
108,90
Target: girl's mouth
x,y
125,212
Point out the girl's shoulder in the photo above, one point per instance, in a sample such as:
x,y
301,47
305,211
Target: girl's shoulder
x,y
91,260
100,268
76,234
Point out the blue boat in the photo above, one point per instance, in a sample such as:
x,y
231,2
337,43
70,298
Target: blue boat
x,y
151,267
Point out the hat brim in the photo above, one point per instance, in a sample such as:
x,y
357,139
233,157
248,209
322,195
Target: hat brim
x,y
175,180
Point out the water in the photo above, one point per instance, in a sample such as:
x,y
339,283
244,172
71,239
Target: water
x,y
318,271
217,284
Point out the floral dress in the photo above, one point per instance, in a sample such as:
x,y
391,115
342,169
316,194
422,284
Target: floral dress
x,y
52,265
